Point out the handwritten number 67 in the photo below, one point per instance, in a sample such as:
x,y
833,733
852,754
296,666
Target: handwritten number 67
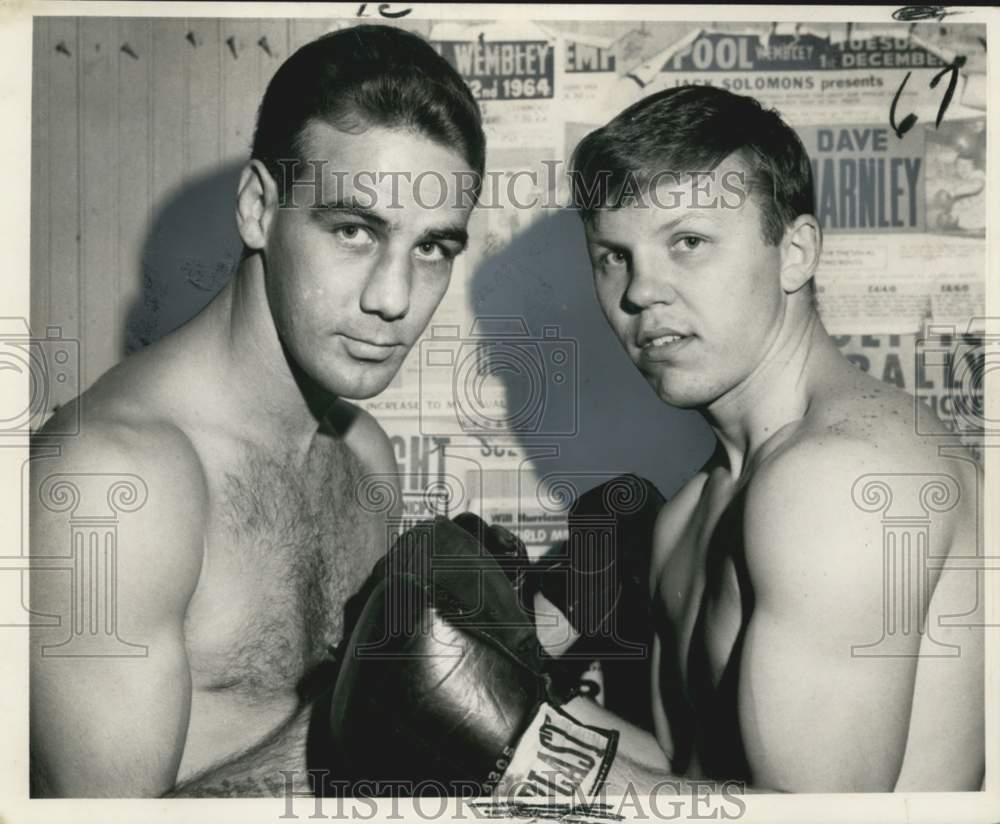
x,y
910,120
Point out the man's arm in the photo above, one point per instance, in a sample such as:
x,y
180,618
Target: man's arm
x,y
945,745
816,716
105,725
108,726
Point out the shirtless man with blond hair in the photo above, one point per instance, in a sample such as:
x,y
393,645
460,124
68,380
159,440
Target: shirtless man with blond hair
x,y
766,573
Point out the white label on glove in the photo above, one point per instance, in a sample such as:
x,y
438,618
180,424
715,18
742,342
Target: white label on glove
x,y
558,755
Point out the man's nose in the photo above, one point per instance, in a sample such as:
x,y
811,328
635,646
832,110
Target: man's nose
x,y
387,291
650,282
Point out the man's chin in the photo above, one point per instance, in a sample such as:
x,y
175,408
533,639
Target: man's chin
x,y
358,384
676,394
362,390
363,394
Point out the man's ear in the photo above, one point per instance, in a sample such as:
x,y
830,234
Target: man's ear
x,y
256,204
800,250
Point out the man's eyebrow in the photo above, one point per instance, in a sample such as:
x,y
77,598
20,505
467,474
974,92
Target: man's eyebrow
x,y
351,207
600,240
456,234
671,224
596,238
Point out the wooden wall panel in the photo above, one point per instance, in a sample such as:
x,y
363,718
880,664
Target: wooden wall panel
x,y
169,130
276,37
41,261
61,229
204,56
135,81
99,179
301,32
170,107
240,85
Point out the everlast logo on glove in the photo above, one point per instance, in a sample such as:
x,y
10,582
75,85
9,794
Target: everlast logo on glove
x,y
557,755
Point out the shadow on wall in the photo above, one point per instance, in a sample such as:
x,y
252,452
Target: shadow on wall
x,y
190,252
544,278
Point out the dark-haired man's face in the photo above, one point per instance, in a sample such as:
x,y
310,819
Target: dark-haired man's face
x,y
691,289
356,269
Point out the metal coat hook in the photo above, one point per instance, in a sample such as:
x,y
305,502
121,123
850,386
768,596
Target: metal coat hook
x,y
128,50
231,42
265,45
62,49
191,39
771,34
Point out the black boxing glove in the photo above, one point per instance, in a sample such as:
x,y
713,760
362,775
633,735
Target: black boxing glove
x,y
442,682
508,551
599,579
605,561
512,556
506,548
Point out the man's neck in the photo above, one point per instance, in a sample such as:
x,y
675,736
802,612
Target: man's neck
x,y
280,406
777,393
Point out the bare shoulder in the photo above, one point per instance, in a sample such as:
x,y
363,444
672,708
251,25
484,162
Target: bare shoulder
x,y
136,415
819,499
859,432
140,467
375,476
124,431
365,436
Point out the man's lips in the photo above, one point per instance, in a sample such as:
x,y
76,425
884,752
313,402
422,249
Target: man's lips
x,y
371,341
660,343
659,336
366,349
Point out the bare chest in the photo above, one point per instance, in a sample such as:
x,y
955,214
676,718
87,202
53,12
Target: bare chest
x,y
702,594
285,550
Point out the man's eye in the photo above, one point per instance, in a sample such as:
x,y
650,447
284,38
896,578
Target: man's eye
x,y
688,243
353,235
615,259
434,252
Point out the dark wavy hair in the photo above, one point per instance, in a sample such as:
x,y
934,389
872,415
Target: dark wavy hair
x,y
694,128
367,76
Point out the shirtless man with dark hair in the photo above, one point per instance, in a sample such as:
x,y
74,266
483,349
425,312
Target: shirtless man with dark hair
x,y
235,572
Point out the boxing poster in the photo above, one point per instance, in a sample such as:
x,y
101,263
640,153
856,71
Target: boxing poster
x,y
902,210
